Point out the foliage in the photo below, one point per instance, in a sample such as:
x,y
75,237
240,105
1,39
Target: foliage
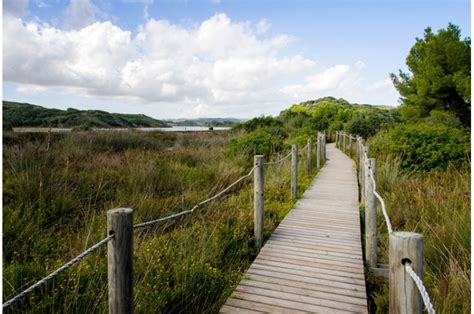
x,y
333,114
438,206
22,114
423,146
440,66
368,122
259,122
263,141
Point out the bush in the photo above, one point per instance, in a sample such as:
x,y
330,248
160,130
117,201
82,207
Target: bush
x,y
424,146
260,142
257,123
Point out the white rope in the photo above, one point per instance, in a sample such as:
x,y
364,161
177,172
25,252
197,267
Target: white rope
x,y
58,271
384,210
152,222
279,160
424,294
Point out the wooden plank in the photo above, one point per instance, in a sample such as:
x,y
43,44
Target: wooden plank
x,y
286,303
298,295
314,256
231,309
272,261
310,289
307,270
265,308
305,245
306,259
315,252
321,278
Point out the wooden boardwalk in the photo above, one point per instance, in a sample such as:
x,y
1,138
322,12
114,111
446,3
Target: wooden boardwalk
x,y
313,260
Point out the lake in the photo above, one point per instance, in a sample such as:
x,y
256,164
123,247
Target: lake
x,y
171,129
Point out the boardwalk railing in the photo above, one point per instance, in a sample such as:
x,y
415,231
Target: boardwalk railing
x,y
406,293
120,228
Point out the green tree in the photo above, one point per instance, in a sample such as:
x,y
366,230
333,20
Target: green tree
x,y
440,66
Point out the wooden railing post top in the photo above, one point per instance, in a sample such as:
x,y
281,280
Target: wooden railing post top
x,y
255,157
294,147
406,235
310,140
119,211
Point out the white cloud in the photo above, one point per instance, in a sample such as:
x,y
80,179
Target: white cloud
x,y
80,13
216,66
382,84
41,4
263,26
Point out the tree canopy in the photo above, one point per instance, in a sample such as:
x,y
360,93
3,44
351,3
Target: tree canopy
x,y
440,78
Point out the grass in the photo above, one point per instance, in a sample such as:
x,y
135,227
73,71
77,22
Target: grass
x,y
436,205
55,203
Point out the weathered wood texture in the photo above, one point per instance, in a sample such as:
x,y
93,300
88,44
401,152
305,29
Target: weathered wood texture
x,y
258,199
313,260
120,260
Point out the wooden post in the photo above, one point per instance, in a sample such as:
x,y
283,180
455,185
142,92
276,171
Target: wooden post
x,y
324,146
318,152
294,170
120,260
365,151
404,297
371,219
344,146
310,156
258,199
350,145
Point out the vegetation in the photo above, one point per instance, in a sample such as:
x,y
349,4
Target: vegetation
x,y
27,115
55,203
437,205
441,76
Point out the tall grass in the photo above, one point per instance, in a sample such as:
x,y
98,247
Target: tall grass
x,y
437,205
55,203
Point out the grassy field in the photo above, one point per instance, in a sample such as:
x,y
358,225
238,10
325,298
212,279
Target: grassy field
x,y
437,205
56,198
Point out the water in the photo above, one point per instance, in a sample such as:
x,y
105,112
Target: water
x,y
172,129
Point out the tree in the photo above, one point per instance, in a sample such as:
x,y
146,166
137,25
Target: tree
x,y
440,79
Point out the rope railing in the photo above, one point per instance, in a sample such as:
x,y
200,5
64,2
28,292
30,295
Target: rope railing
x,y
404,244
279,160
57,271
382,202
421,288
185,212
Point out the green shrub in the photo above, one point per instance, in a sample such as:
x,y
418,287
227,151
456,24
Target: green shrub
x,y
260,142
260,122
424,146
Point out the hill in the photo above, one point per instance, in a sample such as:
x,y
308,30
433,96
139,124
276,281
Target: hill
x,y
27,115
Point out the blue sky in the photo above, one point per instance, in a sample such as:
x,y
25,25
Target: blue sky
x,y
173,59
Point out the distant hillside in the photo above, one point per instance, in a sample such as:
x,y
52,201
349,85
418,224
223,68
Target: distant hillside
x,y
203,122
27,115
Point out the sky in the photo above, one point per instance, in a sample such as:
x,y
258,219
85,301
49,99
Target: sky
x,y
211,58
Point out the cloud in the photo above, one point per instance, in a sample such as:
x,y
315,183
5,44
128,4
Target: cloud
x,y
80,13
263,26
15,7
212,67
31,89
